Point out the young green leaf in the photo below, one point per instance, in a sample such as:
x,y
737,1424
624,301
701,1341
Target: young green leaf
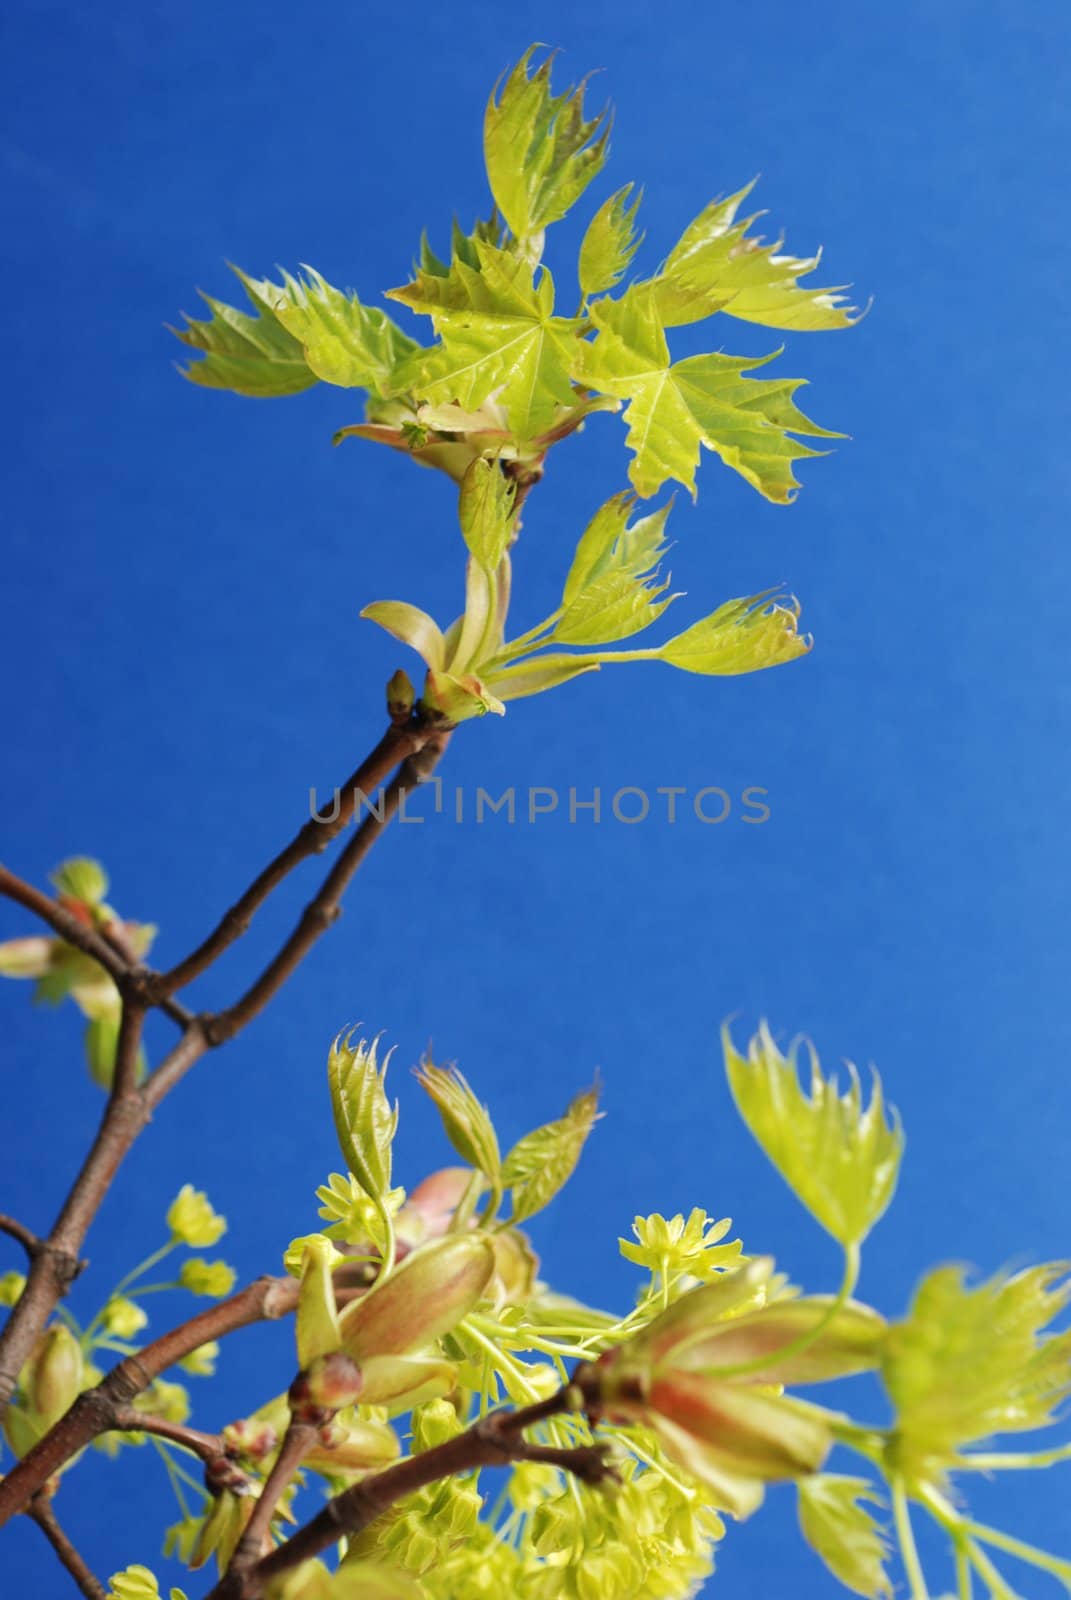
x,y
485,510
840,1158
540,152
968,1363
743,635
675,407
543,1161
612,590
412,626
609,243
715,267
365,1121
344,342
251,355
466,1120
80,878
839,1528
499,335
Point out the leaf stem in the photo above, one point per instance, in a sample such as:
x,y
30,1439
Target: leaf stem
x,y
909,1554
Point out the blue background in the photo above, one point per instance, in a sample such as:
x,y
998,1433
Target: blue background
x,y
182,659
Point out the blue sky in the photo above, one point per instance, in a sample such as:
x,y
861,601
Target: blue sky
x,y
182,656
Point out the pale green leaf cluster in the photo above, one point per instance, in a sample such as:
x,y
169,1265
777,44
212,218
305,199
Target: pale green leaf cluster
x,y
972,1362
508,375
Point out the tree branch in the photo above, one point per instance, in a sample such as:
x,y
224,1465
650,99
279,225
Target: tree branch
x,y
494,1441
96,1411
19,1231
400,741
299,1438
326,907
129,1107
108,949
40,1511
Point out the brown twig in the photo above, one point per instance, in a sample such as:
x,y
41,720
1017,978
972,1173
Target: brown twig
x,y
492,1442
106,949
95,1411
208,1446
326,906
40,1511
398,743
19,1231
297,1441
129,1107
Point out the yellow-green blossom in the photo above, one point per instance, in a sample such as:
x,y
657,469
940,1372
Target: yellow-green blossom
x,y
11,1287
123,1317
201,1363
192,1219
213,1278
677,1245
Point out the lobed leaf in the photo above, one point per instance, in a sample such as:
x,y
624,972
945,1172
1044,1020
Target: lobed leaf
x,y
611,591
839,1528
540,151
715,266
840,1158
609,243
344,342
674,408
499,336
743,635
250,355
968,1363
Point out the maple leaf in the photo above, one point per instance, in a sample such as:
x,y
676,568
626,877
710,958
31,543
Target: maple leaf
x,y
499,336
675,407
715,266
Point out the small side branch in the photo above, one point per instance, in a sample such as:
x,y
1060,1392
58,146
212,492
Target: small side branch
x,y
494,1441
95,1412
23,1235
40,1511
396,746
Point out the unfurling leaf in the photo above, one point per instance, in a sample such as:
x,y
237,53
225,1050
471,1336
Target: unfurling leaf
x,y
345,343
839,1528
612,591
251,355
609,243
714,266
499,336
486,513
540,152
412,626
675,407
841,1158
743,635
543,1161
968,1363
467,1122
365,1121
